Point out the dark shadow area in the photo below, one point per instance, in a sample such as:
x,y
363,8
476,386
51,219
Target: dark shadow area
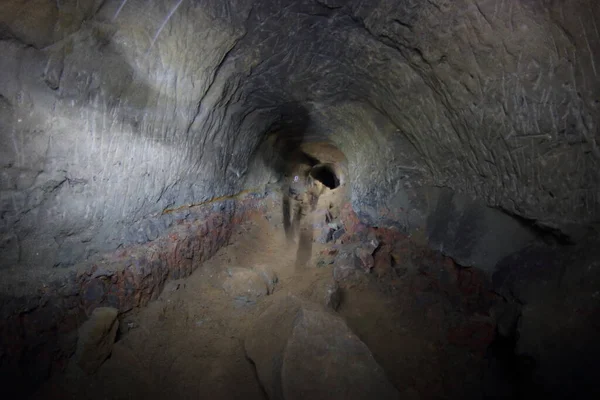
x,y
546,355
326,175
508,375
260,384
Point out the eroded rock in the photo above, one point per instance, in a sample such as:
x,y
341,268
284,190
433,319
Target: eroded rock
x,y
346,268
302,351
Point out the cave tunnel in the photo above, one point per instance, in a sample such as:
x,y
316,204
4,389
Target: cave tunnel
x,y
202,198
326,175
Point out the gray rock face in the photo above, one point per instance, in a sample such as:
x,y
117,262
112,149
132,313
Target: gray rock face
x,y
301,351
109,115
96,339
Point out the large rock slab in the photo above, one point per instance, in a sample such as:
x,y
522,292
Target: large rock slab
x,y
302,351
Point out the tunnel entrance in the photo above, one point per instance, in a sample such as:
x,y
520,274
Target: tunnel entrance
x,y
325,174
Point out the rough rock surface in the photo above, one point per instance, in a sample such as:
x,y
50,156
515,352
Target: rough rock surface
x,y
245,285
302,351
38,333
109,115
268,276
442,303
96,338
347,266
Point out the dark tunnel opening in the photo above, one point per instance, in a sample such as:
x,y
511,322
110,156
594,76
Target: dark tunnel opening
x,y
326,175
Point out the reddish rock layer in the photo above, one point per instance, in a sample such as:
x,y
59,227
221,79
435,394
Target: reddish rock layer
x,y
39,331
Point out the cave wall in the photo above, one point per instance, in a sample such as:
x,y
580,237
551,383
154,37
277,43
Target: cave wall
x,y
113,111
501,99
102,130
41,309
472,124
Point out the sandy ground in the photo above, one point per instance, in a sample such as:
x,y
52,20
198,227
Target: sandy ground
x,y
188,344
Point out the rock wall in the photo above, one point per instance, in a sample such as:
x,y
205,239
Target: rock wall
x,y
453,118
112,111
108,125
500,99
41,312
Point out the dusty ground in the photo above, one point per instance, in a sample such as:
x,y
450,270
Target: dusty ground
x,y
188,344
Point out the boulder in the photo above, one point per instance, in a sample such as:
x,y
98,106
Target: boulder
x,y
96,339
302,351
245,285
365,255
347,266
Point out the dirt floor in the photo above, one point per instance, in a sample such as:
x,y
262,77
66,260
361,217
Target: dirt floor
x,y
188,344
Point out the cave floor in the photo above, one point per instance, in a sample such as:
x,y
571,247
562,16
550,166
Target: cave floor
x,y
188,344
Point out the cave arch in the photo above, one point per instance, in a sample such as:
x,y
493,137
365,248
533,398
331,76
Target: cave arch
x,y
325,173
